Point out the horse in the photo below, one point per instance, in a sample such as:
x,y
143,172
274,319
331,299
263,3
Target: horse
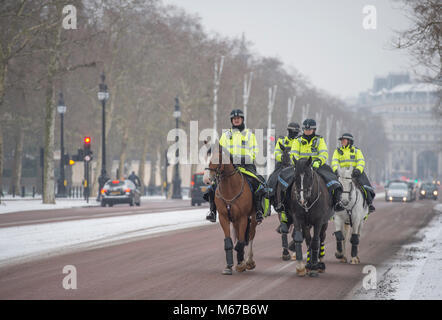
x,y
283,227
351,218
311,207
234,202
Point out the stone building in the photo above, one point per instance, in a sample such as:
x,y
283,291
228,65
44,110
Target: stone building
x,y
413,131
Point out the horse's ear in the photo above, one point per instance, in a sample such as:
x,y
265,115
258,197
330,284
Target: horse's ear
x,y
309,161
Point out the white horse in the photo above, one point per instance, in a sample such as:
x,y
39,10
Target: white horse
x,y
351,218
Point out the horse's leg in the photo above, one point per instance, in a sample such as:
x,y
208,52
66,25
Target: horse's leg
x,y
340,238
241,243
314,249
297,246
250,263
228,244
356,231
308,239
321,265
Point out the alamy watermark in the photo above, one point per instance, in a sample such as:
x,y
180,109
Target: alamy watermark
x,y
70,281
179,152
370,280
70,20
369,21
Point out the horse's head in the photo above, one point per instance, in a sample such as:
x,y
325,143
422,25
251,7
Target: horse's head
x,y
285,158
347,184
303,183
216,161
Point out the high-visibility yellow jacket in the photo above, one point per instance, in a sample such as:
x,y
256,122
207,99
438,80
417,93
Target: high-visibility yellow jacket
x,y
348,156
287,143
316,148
240,144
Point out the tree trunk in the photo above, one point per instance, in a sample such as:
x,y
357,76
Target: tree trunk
x,y
18,159
1,164
48,170
153,170
142,167
123,153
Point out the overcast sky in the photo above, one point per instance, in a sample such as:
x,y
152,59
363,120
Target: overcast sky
x,y
323,39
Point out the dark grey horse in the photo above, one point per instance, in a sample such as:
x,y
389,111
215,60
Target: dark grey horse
x,y
311,207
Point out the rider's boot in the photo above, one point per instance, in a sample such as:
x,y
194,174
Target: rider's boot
x,y
371,207
337,205
258,206
212,214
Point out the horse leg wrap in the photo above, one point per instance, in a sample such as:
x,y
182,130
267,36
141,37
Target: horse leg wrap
x,y
322,251
298,244
354,244
228,246
285,242
239,248
339,238
314,252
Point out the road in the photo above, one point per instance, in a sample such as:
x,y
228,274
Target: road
x,y
187,264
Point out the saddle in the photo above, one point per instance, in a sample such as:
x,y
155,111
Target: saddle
x,y
286,177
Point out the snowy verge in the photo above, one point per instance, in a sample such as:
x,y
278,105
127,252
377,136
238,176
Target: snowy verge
x,y
19,205
414,272
23,243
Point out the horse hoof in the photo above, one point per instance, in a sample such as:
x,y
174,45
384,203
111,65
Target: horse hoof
x,y
301,273
321,267
313,273
355,260
286,257
227,271
339,255
343,260
293,258
241,267
250,265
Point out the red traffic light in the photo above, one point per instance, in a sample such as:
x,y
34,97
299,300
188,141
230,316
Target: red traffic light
x,y
87,140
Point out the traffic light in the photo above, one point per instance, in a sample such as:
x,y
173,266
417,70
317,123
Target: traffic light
x,y
87,146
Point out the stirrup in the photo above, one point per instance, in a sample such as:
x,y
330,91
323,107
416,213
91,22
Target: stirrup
x,y
259,217
211,216
371,208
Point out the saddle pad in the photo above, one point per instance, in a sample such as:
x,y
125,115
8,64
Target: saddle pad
x,y
251,174
286,177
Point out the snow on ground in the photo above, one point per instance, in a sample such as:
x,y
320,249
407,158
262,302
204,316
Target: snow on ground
x,y
9,205
414,272
27,242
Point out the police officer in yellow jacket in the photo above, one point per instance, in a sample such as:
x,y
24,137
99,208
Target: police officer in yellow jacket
x,y
312,145
350,156
241,143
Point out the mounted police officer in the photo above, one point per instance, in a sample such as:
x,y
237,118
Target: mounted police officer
x,y
293,130
350,156
309,144
241,143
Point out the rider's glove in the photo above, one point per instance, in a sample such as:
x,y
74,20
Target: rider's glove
x,y
356,173
316,164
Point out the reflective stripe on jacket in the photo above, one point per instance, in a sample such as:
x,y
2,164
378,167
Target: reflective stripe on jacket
x,y
286,142
316,148
241,144
348,156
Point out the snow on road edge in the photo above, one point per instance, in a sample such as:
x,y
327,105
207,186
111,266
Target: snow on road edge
x,y
414,272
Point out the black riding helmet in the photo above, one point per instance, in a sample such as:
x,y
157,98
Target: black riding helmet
x,y
236,113
293,129
308,124
347,136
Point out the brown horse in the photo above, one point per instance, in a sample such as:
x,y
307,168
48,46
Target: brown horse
x,y
234,202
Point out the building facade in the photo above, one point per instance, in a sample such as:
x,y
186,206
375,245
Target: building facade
x,y
412,129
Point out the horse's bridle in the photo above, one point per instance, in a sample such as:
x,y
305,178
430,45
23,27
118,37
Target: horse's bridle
x,y
304,206
219,175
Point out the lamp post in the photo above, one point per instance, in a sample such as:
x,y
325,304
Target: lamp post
x,y
176,177
103,96
61,108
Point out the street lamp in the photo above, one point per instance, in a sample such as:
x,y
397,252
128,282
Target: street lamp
x,y
176,177
61,108
103,96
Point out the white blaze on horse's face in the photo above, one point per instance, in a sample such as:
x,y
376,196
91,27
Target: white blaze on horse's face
x,y
301,194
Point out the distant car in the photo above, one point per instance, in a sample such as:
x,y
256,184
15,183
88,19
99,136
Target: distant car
x,y
120,191
428,191
398,191
197,189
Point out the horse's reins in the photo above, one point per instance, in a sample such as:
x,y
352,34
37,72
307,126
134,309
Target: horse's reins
x,y
218,177
350,211
317,198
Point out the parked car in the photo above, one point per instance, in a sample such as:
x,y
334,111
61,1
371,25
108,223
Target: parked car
x,y
398,191
428,191
197,189
120,191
